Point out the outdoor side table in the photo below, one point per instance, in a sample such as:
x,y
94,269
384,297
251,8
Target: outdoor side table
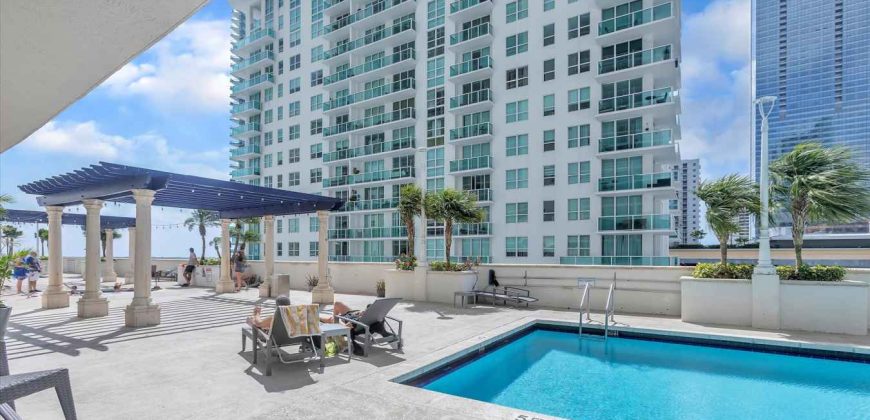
x,y
336,330
464,297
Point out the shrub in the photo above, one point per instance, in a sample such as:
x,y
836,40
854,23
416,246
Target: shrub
x,y
723,271
406,263
444,266
811,273
210,261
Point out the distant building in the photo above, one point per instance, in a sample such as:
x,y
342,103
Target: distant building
x,y
688,207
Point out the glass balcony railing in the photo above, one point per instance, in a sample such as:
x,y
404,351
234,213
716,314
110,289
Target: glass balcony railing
x,y
471,65
635,59
245,150
245,128
471,229
369,66
252,60
245,107
633,19
635,141
371,38
463,258
362,205
242,172
371,149
634,182
385,175
254,36
370,94
468,164
362,258
483,194
249,83
653,261
470,131
372,9
471,33
372,121
460,5
636,222
369,233
636,100
478,96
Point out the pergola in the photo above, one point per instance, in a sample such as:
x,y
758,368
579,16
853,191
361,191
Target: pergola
x,y
92,186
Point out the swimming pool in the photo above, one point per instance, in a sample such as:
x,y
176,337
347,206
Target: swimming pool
x,y
550,371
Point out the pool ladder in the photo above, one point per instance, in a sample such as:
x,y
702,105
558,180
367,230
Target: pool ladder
x,y
609,308
585,313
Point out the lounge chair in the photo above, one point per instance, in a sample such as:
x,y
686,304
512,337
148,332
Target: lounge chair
x,y
374,320
13,387
275,338
506,294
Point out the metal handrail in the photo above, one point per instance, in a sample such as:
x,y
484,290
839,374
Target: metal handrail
x,y
609,307
584,300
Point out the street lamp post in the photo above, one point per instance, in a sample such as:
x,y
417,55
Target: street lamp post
x,y
765,281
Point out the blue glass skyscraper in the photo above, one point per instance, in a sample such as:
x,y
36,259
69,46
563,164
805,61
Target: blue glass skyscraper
x,y
814,56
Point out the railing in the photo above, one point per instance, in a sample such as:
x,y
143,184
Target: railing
x,y
468,164
253,59
372,93
635,222
636,100
633,19
362,258
609,308
240,172
635,141
245,150
584,301
377,204
245,84
635,59
630,261
384,175
472,229
372,121
469,98
471,65
633,182
368,233
373,8
471,33
460,5
373,37
244,128
469,131
484,194
370,149
254,36
246,106
370,66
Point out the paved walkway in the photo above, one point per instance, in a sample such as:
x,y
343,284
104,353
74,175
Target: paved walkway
x,y
191,367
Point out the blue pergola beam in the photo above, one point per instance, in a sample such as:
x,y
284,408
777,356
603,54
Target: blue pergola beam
x,y
34,216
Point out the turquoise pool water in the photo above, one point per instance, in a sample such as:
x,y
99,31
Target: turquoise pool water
x,y
555,373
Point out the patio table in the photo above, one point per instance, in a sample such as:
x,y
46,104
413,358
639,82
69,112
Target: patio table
x,y
336,330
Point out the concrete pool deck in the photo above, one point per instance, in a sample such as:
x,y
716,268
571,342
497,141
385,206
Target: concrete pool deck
x,y
191,366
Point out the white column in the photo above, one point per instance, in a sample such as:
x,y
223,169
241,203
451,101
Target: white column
x,y
131,238
142,312
225,284
323,292
54,295
92,304
269,250
109,274
765,281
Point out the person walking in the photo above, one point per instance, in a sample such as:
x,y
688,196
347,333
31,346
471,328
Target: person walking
x,y
191,265
33,269
239,268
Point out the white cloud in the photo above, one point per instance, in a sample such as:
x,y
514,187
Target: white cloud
x,y
185,72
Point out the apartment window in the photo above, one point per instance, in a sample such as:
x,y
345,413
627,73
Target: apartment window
x,y
313,249
280,181
517,10
435,13
280,68
578,245
516,246
293,179
267,94
316,175
280,135
516,178
578,62
549,140
294,62
578,209
294,132
279,249
293,225
292,249
578,135
280,90
517,44
435,72
435,132
267,161
549,246
435,162
578,25
267,116
316,126
293,109
549,175
549,5
517,111
267,138
578,172
279,226
578,99
435,102
267,181
549,34
317,53
517,77
280,158
316,151
549,105
317,102
294,85
316,78
435,42
549,69
293,155
517,145
313,224
516,212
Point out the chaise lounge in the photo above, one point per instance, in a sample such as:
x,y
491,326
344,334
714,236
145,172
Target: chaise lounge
x,y
374,320
277,337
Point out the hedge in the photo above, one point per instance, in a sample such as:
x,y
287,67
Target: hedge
x,y
785,272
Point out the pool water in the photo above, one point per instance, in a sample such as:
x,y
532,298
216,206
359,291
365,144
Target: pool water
x,y
556,373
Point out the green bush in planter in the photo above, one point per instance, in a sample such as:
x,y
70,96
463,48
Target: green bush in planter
x,y
444,266
723,271
811,273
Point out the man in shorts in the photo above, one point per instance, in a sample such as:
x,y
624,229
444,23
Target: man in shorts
x,y
191,265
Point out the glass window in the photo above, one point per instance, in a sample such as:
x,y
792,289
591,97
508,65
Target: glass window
x,y
578,99
516,212
316,175
549,175
517,77
578,245
549,246
293,225
578,172
517,145
578,25
292,249
435,13
517,111
549,4
549,211
293,179
316,151
578,62
517,44
549,34
549,69
516,10
578,209
517,246
516,178
549,105
549,140
578,135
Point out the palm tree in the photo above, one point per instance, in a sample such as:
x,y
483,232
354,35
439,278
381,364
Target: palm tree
x,y
202,219
725,198
239,231
5,199
410,206
450,206
42,234
816,184
216,243
10,236
115,235
698,234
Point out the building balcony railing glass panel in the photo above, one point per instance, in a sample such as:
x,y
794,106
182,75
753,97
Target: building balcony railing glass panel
x,y
252,60
372,121
472,229
371,149
363,205
651,261
369,94
362,258
244,172
369,66
635,182
470,131
244,85
254,36
251,149
483,194
372,9
636,100
635,222
243,130
471,33
635,141
371,38
246,107
478,96
635,59
484,62
460,5
468,164
369,233
385,175
637,18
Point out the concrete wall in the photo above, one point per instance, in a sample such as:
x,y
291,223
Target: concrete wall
x,y
717,301
847,257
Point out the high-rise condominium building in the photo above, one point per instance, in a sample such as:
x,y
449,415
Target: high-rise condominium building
x,y
813,56
688,220
560,117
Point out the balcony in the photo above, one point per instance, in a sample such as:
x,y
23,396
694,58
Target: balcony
x,y
244,152
245,131
617,68
378,176
336,7
636,104
245,109
660,223
380,122
465,10
471,133
369,205
654,21
483,195
369,233
257,38
245,173
362,258
631,143
386,10
245,87
633,261
469,166
376,149
389,64
473,37
632,183
253,64
387,93
478,68
479,100
396,35
472,229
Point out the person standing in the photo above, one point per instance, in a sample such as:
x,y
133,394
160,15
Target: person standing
x,y
239,268
33,269
19,271
191,265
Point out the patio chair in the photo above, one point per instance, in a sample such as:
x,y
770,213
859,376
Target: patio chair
x,y
13,387
506,294
278,336
374,320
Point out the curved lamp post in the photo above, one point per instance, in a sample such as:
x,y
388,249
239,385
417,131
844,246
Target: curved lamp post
x,y
765,282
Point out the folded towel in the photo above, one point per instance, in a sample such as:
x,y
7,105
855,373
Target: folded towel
x,y
301,320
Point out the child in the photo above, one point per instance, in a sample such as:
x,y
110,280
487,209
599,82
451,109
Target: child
x,y
19,271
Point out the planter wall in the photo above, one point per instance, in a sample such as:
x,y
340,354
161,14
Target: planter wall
x,y
716,301
203,276
441,285
399,284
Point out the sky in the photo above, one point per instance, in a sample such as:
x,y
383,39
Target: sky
x,y
169,109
